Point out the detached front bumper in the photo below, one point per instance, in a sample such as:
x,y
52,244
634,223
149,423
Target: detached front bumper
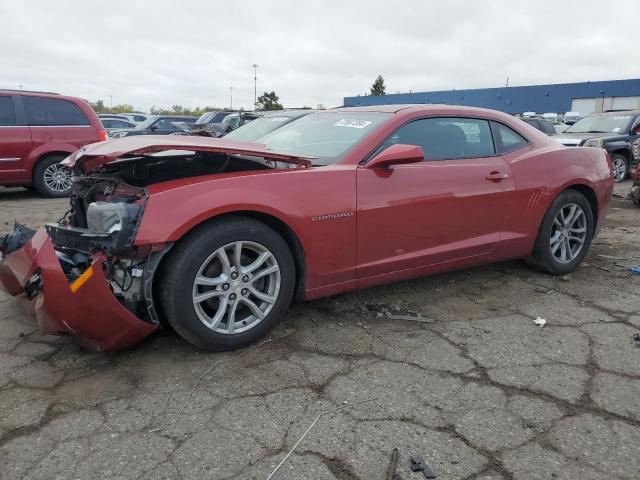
x,y
86,309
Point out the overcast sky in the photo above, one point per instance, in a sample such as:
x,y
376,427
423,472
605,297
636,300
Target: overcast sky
x,y
166,52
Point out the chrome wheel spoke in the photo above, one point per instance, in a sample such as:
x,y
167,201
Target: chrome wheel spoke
x,y
254,308
231,319
257,263
206,296
271,299
237,256
224,261
210,282
262,273
222,309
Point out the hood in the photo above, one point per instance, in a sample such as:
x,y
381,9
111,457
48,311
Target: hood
x,y
95,155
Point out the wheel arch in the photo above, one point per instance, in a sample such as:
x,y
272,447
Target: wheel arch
x,y
591,197
280,227
44,156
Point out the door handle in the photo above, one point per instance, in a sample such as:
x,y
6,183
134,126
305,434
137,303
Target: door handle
x,y
496,176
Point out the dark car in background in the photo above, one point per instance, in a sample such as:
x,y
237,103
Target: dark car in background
x,y
614,131
545,126
270,121
229,123
37,131
156,125
116,124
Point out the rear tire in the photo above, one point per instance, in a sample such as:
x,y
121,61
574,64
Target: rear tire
x,y
565,234
218,299
50,179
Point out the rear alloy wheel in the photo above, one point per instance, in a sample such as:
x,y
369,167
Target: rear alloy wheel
x,y
565,234
620,167
52,179
227,284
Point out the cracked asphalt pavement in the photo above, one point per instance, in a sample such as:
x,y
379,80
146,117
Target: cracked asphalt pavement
x,y
460,375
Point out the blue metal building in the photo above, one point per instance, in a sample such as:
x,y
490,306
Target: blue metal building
x,y
584,97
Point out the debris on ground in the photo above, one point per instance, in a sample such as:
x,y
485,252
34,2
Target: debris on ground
x,y
419,465
320,415
635,270
636,338
393,465
612,257
540,321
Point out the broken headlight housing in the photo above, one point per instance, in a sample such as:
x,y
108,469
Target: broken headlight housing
x,y
105,218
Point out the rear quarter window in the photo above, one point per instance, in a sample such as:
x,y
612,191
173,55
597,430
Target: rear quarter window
x,y
507,139
53,112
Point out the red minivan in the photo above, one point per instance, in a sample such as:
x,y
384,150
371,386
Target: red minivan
x,y
37,131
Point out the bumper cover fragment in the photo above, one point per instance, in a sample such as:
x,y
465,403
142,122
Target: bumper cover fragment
x,y
91,313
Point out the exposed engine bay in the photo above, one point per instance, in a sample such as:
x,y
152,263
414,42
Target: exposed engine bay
x,y
106,207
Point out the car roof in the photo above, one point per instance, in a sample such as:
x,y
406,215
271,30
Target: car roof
x,y
287,113
437,108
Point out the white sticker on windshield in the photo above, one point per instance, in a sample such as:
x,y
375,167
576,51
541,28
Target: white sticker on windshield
x,y
617,129
352,123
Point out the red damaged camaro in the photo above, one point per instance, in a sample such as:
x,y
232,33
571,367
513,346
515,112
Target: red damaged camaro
x,y
217,237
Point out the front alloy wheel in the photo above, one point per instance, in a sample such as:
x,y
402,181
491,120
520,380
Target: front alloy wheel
x,y
236,287
619,164
227,283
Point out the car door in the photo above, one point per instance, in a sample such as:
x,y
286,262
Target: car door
x,y
15,140
451,206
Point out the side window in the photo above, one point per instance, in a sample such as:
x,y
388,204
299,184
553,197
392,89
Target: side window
x,y
547,127
138,118
7,112
106,123
446,138
165,124
51,111
507,140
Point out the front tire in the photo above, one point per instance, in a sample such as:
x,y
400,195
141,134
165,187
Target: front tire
x,y
565,234
227,283
620,167
52,179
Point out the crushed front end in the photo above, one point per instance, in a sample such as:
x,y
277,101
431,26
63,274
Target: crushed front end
x,y
83,276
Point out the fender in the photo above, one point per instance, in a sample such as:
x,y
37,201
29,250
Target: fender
x,y
325,222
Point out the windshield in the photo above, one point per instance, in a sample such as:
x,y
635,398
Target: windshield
x,y
601,124
252,131
205,118
328,135
146,124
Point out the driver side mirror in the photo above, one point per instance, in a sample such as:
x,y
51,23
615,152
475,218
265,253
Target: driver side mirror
x,y
398,154
154,127
636,130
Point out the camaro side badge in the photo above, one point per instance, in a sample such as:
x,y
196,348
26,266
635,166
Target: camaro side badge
x,y
332,216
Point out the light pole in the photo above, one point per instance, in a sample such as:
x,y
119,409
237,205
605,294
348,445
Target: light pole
x,y
255,86
231,93
111,100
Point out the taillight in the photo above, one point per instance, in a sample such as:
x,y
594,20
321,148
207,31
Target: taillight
x,y
102,135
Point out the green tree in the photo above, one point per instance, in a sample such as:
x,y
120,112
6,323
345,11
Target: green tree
x,y
378,87
268,101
